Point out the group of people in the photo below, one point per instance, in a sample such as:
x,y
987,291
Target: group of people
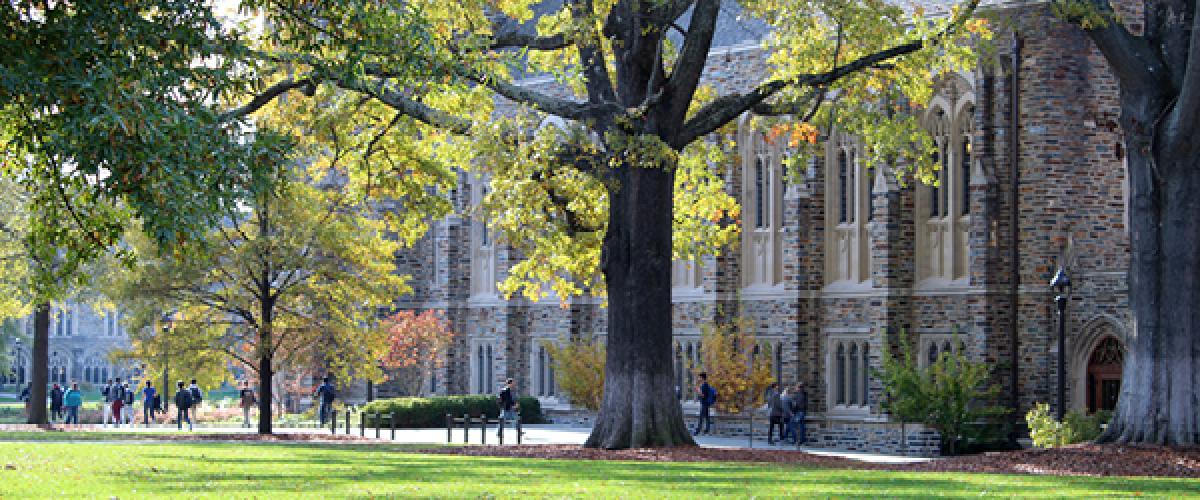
x,y
119,398
786,408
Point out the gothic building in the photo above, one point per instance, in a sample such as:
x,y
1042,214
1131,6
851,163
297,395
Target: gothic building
x,y
832,269
81,341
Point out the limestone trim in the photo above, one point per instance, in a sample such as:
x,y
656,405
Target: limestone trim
x,y
483,247
943,217
763,187
848,188
847,374
1079,352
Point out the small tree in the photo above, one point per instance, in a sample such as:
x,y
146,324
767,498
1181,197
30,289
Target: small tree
x,y
948,395
579,369
739,373
416,343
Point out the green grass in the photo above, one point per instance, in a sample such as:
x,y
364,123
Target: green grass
x,y
103,470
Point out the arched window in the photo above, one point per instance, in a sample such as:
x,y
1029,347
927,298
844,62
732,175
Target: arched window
x,y
762,196
935,345
849,368
848,200
943,232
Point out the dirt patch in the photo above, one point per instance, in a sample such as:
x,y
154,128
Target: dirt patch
x,y
1078,460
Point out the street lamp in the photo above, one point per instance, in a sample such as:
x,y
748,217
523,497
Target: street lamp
x,y
1061,284
166,351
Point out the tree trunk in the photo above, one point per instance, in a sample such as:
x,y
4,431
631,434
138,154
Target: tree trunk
x,y
265,393
40,361
639,407
1161,377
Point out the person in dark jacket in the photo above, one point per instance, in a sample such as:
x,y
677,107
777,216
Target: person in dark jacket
x,y
775,412
183,402
325,394
508,404
149,403
56,403
708,397
785,402
798,403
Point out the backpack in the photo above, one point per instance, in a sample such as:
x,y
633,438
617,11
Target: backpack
x,y
128,397
327,394
183,399
196,395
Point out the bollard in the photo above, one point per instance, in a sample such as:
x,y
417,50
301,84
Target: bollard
x,y
466,425
752,430
392,417
362,424
449,427
347,421
333,422
483,428
519,431
377,424
500,429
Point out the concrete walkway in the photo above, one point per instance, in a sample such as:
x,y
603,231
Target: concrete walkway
x,y
534,434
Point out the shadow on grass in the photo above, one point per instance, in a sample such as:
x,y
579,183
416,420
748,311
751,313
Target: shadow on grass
x,y
369,468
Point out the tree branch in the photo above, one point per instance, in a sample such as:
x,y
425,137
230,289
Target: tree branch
x,y
307,85
513,39
1181,124
565,108
1132,58
726,108
685,76
413,109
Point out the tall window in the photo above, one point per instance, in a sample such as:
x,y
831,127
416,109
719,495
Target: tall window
x,y
933,345
762,195
483,369
483,252
543,372
848,203
848,367
943,230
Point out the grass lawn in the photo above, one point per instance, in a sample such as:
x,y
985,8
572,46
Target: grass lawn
x,y
107,470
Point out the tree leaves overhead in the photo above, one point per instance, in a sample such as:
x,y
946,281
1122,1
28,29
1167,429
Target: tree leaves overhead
x,y
108,110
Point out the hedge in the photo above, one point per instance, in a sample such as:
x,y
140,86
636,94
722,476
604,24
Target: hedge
x,y
413,413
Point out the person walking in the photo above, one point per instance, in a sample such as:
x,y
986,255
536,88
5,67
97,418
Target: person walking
x,y
247,401
127,408
106,407
774,412
149,403
56,403
197,398
117,393
325,394
798,403
183,402
508,405
708,397
72,400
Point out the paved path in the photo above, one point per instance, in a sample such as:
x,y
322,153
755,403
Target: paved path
x,y
537,434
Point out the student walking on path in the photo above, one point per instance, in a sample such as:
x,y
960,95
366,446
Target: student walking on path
x,y
72,399
197,398
56,403
127,408
508,404
106,406
117,394
798,404
183,402
708,397
149,403
325,395
774,412
247,401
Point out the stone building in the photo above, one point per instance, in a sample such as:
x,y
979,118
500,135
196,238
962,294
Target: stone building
x,y
81,341
831,269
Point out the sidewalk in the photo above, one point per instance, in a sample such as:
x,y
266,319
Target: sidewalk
x,y
534,434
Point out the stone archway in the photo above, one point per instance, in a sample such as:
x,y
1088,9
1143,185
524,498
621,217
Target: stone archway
x,y
1095,365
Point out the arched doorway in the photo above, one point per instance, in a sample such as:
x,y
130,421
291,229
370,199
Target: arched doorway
x,y
1104,374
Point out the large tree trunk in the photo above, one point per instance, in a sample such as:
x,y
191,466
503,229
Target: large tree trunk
x,y
265,393
40,361
639,407
1160,387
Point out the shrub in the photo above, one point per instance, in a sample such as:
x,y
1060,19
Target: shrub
x,y
431,412
579,369
738,372
948,395
1047,432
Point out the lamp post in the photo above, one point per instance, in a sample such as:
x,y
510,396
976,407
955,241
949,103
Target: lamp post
x,y
166,329
1061,284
